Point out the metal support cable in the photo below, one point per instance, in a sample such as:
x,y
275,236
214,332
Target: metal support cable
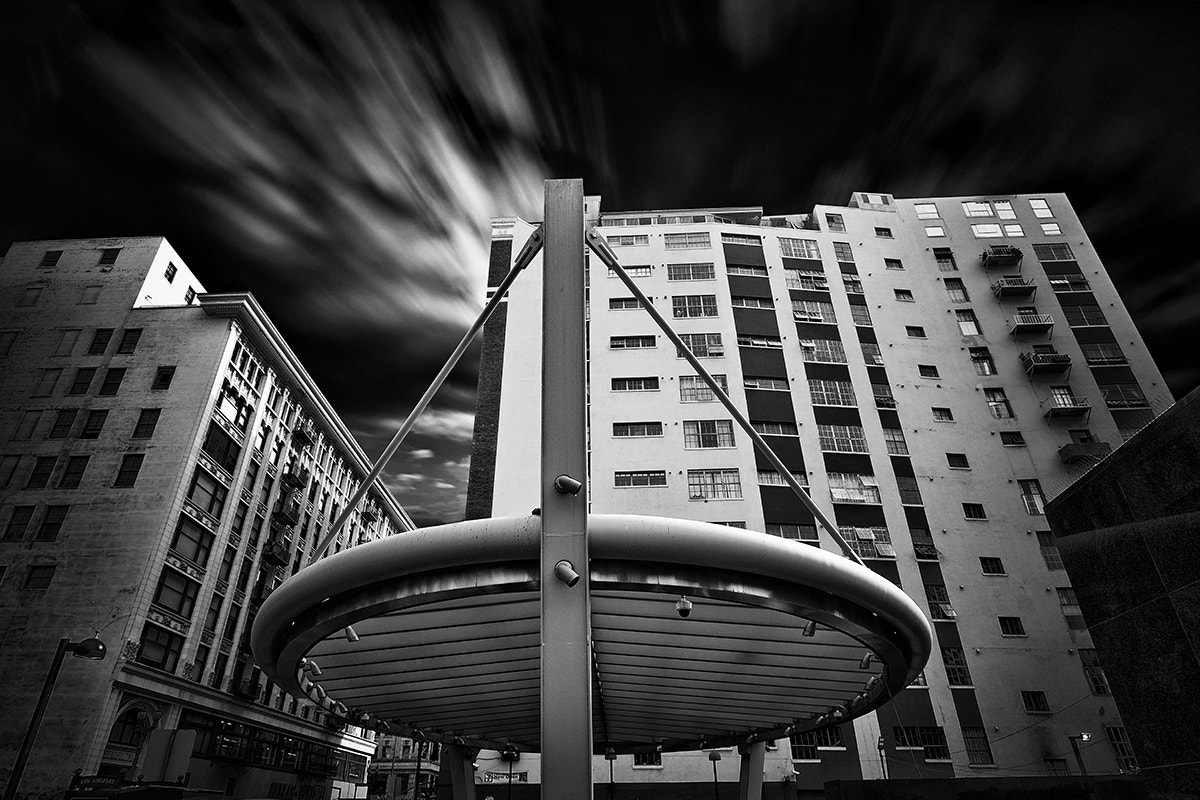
x,y
600,247
532,247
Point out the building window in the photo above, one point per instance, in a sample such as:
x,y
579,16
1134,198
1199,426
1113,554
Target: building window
x,y
991,565
1041,209
634,271
1032,497
1035,702
956,290
684,241
914,331
806,279
707,433
860,315
939,602
63,423
112,381
1056,766
8,465
762,382
977,209
942,414
872,542
836,223
694,305
775,428
38,577
883,233
702,345
50,258
100,340
935,231
797,531
831,392
632,430
129,341
1056,251
967,323
743,269
842,252
823,351
644,478
1097,680
871,353
852,284
93,424
1013,229
207,494
850,487
957,461
1123,395
631,342
945,259
714,484
749,302
162,379
189,296
89,296
127,474
842,438
998,403
39,478
27,425
652,759
1004,209
108,256
750,340
18,523
221,447
910,491
981,360
1084,316
1070,608
7,340
52,523
894,438
646,384
29,297
170,272
693,389
176,593
979,752
1012,439
1051,229
1103,353
146,423
82,382
814,311
928,371
742,239
955,661
1122,749
159,648
691,272
974,511
192,541
926,210
904,295
799,248
988,230
1011,626
769,477
72,474
930,739
623,303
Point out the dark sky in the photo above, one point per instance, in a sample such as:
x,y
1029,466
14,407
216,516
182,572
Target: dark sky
x,y
341,160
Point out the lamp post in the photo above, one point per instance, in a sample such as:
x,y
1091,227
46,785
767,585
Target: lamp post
x,y
92,649
714,757
1082,736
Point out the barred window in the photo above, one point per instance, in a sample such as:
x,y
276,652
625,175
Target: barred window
x,y
805,745
896,445
630,240
799,248
751,340
990,565
860,315
637,429
956,290
702,345
798,531
823,351
870,542
751,302
974,511
703,433
831,392
1035,702
631,342
957,672
942,414
813,311
693,389
775,428
694,305
704,271
761,382
643,478
929,738
713,484
842,252
741,238
850,487
806,279
979,752
651,759
1053,251
1011,626
687,241
647,384
842,438
945,259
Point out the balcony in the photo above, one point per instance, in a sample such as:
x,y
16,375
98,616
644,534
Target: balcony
x,y
1001,255
305,433
277,552
1059,406
288,509
1083,452
925,550
885,401
297,477
1045,363
1014,287
1030,323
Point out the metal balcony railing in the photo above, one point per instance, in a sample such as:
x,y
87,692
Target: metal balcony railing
x,y
1059,406
1014,287
1045,362
1030,323
1001,255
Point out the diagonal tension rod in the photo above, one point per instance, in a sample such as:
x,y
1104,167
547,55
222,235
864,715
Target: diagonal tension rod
x,y
532,247
600,247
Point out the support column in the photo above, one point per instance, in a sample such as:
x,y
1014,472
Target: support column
x,y
750,779
457,761
566,663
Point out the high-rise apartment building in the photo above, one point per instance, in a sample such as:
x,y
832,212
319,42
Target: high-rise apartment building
x,y
932,370
165,462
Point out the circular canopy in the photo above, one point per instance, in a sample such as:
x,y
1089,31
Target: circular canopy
x,y
445,634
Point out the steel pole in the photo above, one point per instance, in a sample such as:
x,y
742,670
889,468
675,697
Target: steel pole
x,y
14,777
566,660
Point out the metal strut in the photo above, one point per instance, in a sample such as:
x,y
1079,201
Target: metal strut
x,y
532,247
600,247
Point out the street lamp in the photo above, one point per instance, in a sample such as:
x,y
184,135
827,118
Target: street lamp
x,y
714,757
1082,736
92,649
